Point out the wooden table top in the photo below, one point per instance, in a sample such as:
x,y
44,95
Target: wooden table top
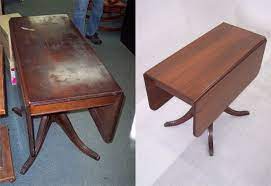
x,y
55,63
192,71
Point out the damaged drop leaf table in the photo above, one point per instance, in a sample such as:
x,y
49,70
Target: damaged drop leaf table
x,y
208,74
59,72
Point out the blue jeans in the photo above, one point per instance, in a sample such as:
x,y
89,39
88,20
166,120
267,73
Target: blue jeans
x,y
79,15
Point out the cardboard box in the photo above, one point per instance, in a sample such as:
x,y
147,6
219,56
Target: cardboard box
x,y
5,39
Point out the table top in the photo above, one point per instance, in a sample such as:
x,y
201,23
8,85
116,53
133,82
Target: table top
x,y
192,71
55,63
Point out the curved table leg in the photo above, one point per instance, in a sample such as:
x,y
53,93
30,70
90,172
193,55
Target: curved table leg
x,y
181,120
64,122
27,164
45,124
210,140
235,112
17,111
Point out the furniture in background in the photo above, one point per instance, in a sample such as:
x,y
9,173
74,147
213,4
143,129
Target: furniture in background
x,y
6,164
59,72
128,27
113,10
5,40
208,74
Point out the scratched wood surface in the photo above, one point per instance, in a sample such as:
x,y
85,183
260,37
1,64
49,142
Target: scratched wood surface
x,y
55,62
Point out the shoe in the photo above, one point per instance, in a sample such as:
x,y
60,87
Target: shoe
x,y
94,39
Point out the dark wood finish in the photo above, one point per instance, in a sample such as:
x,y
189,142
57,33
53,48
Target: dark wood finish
x,y
210,140
6,168
217,99
181,120
156,96
205,61
63,121
235,112
106,118
17,111
6,164
208,74
58,72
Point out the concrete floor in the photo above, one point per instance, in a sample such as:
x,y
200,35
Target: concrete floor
x,y
59,162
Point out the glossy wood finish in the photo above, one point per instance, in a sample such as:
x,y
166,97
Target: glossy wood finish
x,y
181,120
6,168
208,74
63,121
204,62
58,72
235,112
217,99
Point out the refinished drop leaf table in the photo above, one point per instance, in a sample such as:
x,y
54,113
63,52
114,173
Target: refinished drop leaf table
x,y
208,74
59,72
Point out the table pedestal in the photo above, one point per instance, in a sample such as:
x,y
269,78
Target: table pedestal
x,y
189,115
63,121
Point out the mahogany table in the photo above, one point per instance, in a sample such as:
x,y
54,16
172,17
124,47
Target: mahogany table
x,y
58,72
208,74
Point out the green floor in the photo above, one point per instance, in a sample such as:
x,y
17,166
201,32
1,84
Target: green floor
x,y
59,162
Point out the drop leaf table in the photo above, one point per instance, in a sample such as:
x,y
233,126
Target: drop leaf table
x,y
208,74
58,72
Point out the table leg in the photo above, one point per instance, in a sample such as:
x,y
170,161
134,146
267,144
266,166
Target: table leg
x,y
210,140
31,135
45,124
63,121
17,111
235,112
181,120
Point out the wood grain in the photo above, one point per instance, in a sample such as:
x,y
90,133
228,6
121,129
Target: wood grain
x,y
193,70
59,72
7,172
64,66
208,74
217,99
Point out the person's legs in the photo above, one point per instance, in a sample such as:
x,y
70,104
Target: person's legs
x,y
79,14
94,20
